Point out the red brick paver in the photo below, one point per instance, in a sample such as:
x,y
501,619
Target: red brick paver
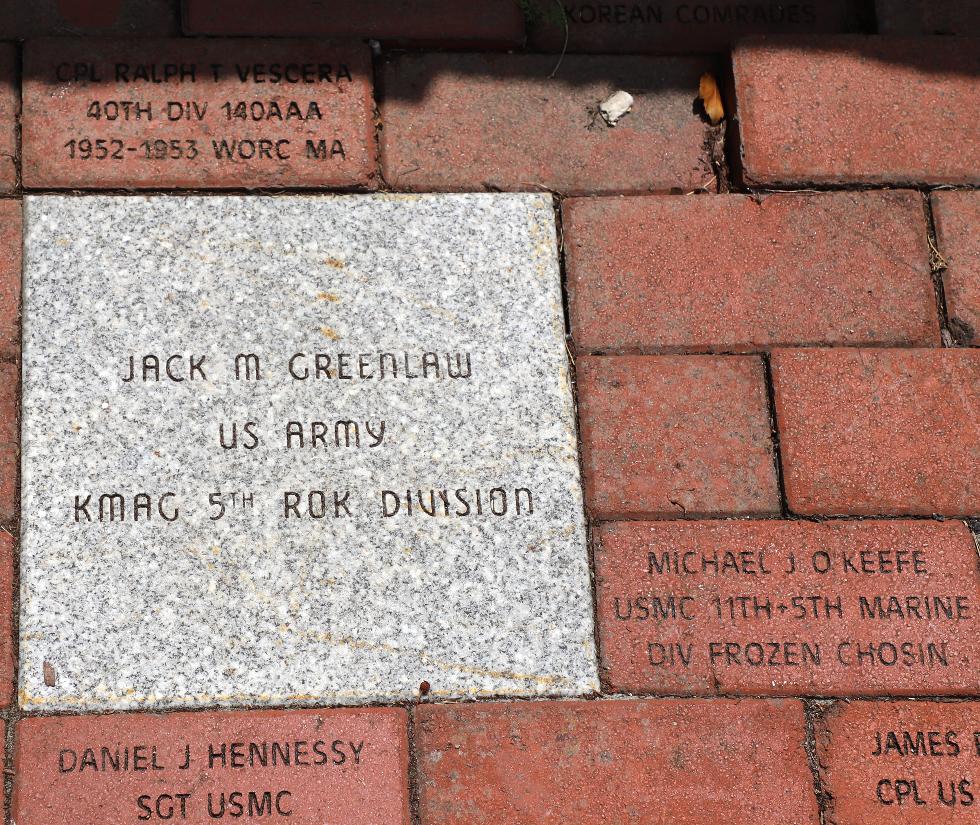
x,y
425,22
668,436
36,18
9,109
858,110
281,113
889,432
301,767
465,122
730,272
10,262
901,763
957,217
594,763
928,17
789,608
677,26
9,442
740,547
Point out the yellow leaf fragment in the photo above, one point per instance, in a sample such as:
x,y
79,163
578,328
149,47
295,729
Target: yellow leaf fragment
x,y
711,97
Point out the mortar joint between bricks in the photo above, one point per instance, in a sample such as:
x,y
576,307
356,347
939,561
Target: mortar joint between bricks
x,y
414,772
777,455
937,270
813,713
558,199
378,57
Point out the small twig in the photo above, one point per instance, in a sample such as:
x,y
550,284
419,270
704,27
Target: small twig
x,y
938,262
564,48
704,186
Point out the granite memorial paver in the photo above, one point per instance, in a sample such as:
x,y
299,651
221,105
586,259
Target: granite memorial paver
x,y
295,449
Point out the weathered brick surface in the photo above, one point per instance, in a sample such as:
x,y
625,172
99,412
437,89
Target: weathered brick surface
x,y
858,110
901,763
789,608
911,17
9,441
10,260
3,732
730,272
472,121
348,765
889,431
295,95
9,109
410,22
8,667
677,26
668,436
36,18
957,217
594,763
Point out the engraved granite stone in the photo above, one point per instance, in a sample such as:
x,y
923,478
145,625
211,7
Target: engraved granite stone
x,y
281,450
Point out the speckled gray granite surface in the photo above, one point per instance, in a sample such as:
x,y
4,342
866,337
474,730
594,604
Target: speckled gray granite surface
x,y
327,588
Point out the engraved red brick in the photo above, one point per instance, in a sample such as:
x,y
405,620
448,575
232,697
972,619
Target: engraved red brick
x,y
858,110
9,109
600,762
788,608
8,667
407,22
669,436
37,18
281,766
281,113
900,763
879,432
9,441
957,217
911,17
477,121
730,272
677,26
11,245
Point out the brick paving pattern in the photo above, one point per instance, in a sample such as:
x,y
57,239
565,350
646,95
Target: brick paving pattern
x,y
675,435
788,607
677,26
514,128
350,762
957,215
210,113
879,431
488,24
778,392
642,279
10,262
857,110
9,111
900,762
613,761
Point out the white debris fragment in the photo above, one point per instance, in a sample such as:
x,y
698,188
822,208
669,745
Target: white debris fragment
x,y
615,106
